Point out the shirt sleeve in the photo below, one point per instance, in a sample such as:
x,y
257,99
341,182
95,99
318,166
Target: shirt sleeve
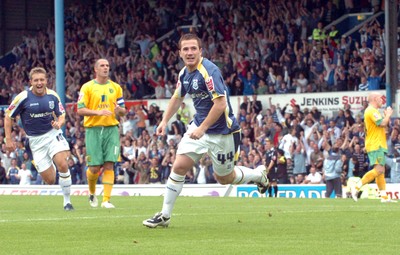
x,y
16,105
83,98
377,118
180,90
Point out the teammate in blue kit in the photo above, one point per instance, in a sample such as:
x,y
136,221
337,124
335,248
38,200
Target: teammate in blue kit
x,y
214,129
42,116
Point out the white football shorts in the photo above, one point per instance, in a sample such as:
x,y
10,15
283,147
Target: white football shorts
x,y
222,149
45,146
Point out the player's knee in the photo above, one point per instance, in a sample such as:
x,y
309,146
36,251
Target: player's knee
x,y
49,181
224,182
62,168
380,169
224,179
49,175
94,169
180,170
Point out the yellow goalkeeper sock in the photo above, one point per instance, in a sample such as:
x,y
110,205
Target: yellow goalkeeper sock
x,y
108,182
92,180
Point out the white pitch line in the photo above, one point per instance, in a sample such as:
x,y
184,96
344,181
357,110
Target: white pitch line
x,y
265,210
69,218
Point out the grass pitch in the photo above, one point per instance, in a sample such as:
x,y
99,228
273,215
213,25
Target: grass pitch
x,y
200,225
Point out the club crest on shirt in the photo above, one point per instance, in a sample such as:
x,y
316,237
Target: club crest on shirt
x,y
376,115
51,104
195,84
210,84
111,91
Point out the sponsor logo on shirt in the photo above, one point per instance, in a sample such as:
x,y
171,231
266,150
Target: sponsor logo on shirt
x,y
11,107
80,96
210,84
202,95
61,107
40,115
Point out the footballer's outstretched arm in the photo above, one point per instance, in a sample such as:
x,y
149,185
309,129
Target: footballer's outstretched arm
x,y
8,123
172,108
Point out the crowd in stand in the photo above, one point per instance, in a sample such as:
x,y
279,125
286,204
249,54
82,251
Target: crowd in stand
x,y
262,47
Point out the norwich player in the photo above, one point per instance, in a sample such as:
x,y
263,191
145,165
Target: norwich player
x,y
375,145
101,101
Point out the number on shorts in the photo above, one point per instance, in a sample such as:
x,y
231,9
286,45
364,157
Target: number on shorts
x,y
222,158
59,137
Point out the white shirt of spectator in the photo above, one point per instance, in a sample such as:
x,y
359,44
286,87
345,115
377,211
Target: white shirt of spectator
x,y
129,152
362,50
119,40
126,126
309,150
301,85
287,141
169,88
25,176
336,132
6,159
307,129
159,92
314,178
142,149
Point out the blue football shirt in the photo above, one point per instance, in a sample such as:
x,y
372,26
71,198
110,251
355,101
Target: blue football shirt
x,y
204,85
36,112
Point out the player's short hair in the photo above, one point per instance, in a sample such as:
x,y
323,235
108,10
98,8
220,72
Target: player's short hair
x,y
189,36
36,70
96,64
